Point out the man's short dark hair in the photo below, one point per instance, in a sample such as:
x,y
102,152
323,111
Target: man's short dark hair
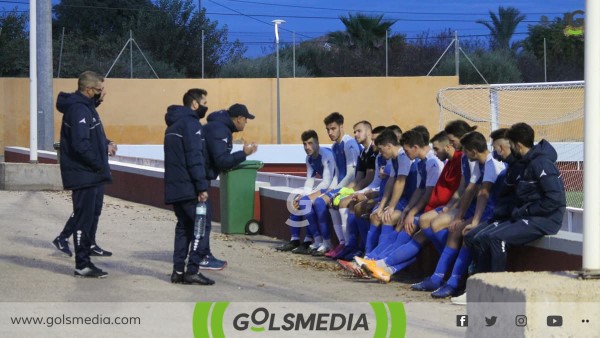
x,y
474,141
413,138
386,137
192,95
458,128
334,117
499,134
378,129
423,130
365,123
442,136
307,135
395,128
521,133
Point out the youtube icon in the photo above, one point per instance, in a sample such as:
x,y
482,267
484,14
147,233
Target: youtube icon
x,y
554,320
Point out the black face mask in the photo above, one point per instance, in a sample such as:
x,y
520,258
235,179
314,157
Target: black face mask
x,y
497,156
97,99
515,154
201,111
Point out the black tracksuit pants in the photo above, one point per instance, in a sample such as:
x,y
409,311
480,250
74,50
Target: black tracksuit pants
x,y
491,242
184,237
87,205
69,227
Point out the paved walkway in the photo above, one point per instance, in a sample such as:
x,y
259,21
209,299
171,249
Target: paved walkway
x,y
141,238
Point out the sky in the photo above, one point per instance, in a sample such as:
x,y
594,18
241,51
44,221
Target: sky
x,y
250,20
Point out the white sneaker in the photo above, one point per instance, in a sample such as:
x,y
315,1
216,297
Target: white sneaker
x,y
459,300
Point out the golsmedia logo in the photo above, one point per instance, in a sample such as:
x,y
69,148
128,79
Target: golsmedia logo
x,y
263,320
375,319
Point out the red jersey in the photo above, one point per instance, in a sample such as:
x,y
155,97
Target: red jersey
x,y
447,184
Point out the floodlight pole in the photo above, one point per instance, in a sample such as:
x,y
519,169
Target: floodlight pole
x,y
277,23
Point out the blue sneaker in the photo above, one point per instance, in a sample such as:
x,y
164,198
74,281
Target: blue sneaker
x,y
445,291
62,244
426,285
209,262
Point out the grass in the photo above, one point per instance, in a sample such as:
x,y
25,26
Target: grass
x,y
575,199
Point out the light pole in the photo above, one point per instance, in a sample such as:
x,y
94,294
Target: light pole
x,y
277,23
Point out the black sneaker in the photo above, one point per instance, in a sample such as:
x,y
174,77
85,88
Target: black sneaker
x,y
291,245
90,271
177,278
302,249
62,244
197,279
95,250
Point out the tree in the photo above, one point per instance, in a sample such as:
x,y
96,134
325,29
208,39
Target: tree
x,y
503,26
364,32
14,44
564,54
167,31
497,66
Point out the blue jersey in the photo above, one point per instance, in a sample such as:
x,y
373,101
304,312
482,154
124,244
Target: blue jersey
x,y
345,153
317,165
422,171
465,168
410,185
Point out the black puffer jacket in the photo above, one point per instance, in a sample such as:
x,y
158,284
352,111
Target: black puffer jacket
x,y
83,144
540,190
219,134
185,155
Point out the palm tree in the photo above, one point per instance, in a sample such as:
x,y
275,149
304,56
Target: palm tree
x,y
362,31
503,26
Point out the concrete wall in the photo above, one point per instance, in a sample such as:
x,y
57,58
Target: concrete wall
x,y
133,112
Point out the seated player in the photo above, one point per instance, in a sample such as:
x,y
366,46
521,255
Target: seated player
x,y
319,161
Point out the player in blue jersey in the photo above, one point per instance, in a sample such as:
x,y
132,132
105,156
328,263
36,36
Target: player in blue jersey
x,y
319,162
345,152
398,190
364,174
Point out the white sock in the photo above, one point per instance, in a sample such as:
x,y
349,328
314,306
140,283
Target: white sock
x,y
326,243
380,263
336,219
344,218
317,242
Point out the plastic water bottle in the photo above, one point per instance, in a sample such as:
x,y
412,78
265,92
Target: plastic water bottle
x,y
200,223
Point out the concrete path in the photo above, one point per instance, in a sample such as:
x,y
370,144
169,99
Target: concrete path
x,y
141,239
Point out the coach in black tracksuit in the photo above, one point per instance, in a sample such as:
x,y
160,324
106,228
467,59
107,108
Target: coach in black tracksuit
x,y
186,182
540,198
84,164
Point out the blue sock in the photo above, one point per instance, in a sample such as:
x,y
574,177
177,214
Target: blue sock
x,y
295,231
401,239
460,267
323,217
363,228
351,231
313,223
444,263
441,236
387,237
404,253
403,265
372,238
439,247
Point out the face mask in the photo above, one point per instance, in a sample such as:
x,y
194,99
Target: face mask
x,y
201,111
97,99
515,154
496,156
509,159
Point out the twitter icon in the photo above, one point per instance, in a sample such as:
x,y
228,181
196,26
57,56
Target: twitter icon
x,y
490,321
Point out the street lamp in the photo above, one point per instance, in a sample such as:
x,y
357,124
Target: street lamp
x,y
277,23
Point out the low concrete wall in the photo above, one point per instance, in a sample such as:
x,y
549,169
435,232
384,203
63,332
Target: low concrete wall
x,y
25,176
537,296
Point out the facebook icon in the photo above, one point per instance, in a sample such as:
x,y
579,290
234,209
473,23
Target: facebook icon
x,y
462,320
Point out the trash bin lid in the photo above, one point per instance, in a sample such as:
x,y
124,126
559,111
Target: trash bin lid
x,y
250,164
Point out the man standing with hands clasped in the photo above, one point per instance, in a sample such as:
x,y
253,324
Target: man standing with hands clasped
x,y
187,182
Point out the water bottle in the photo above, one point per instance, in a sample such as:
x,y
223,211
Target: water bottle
x,y
200,223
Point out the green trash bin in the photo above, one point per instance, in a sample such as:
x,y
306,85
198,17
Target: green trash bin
x,y
237,199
